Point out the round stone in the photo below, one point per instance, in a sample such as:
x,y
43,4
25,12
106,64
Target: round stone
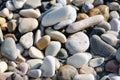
x,y
84,77
23,27
96,62
11,26
43,42
78,42
8,49
53,48
67,72
27,40
56,35
35,53
3,66
48,66
10,6
34,73
83,59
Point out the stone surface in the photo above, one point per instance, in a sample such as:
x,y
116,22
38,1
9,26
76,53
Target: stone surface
x,y
8,49
43,42
101,48
48,66
4,76
98,2
35,53
62,54
83,24
27,40
95,62
12,25
30,13
67,72
37,36
114,14
82,57
10,6
53,48
56,35
94,11
18,3
23,67
23,27
20,48
1,36
81,16
3,66
118,55
78,42
84,77
114,6
2,20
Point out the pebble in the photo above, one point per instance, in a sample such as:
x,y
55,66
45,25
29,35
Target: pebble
x,y
101,48
18,4
3,66
113,68
82,16
110,39
98,2
34,63
79,25
10,6
94,11
87,70
118,55
114,6
32,3
63,2
37,36
30,13
113,32
23,27
43,42
4,12
84,77
1,36
2,20
34,73
20,48
5,75
87,6
95,62
27,40
12,25
56,35
83,59
59,15
114,14
78,42
62,54
35,53
8,49
53,48
115,25
48,66
23,67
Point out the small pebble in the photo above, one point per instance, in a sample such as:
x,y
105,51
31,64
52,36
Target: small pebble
x,y
23,67
98,2
62,54
114,6
20,48
114,14
82,16
11,25
37,36
3,66
18,4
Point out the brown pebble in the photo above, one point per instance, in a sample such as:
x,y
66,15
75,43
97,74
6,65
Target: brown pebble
x,y
11,25
82,16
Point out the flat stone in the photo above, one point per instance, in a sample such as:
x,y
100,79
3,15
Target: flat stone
x,y
83,24
23,27
8,49
27,40
113,68
3,66
34,63
53,48
115,25
48,66
101,48
18,3
56,35
67,72
34,73
32,3
114,14
81,16
30,13
23,67
84,77
43,42
35,53
95,62
78,42
82,57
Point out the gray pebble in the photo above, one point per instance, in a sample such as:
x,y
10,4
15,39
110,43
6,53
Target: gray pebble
x,y
98,2
34,73
114,14
114,6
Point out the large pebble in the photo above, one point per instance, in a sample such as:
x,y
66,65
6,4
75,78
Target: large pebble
x,y
96,62
58,15
32,3
43,42
27,40
56,35
101,48
84,77
30,13
23,27
115,25
53,48
8,49
78,60
78,42
35,53
114,14
34,63
34,73
118,55
67,72
48,67
19,3
3,66
83,24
